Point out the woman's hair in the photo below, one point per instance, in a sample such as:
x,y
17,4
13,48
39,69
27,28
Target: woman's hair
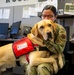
x,y
52,8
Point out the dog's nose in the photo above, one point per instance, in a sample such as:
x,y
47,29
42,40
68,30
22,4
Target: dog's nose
x,y
49,34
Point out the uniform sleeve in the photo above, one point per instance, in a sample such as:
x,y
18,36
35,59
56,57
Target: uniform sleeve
x,y
59,44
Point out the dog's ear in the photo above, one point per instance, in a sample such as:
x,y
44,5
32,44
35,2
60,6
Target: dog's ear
x,y
53,25
34,30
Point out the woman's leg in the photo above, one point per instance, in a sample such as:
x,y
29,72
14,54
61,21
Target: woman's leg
x,y
45,69
31,70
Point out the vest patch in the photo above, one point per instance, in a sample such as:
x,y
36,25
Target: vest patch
x,y
21,46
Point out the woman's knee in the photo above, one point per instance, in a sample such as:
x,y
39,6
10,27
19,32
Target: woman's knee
x,y
45,69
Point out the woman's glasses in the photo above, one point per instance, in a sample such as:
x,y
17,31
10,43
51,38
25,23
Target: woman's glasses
x,y
48,16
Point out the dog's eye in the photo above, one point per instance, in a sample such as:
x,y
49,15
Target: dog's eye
x,y
42,27
49,25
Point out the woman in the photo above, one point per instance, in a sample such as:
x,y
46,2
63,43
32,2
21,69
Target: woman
x,y
49,13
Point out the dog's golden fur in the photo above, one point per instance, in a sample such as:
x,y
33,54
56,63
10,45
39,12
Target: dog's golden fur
x,y
38,33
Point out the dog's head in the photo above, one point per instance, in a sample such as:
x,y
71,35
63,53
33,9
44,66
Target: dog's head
x,y
44,29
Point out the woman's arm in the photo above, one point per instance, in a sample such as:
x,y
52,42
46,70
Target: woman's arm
x,y
60,40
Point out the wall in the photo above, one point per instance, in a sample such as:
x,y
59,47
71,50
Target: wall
x,y
25,21
16,15
17,7
11,17
16,10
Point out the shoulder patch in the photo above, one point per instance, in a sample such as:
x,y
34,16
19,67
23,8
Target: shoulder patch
x,y
63,36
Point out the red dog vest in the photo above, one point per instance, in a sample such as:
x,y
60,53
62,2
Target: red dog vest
x,y
22,46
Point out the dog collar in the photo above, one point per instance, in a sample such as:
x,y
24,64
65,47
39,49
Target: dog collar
x,y
37,47
43,49
40,48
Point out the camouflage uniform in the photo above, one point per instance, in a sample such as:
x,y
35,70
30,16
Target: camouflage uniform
x,y
56,47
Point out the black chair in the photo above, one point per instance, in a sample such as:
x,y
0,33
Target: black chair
x,y
67,28
4,30
26,30
66,50
14,30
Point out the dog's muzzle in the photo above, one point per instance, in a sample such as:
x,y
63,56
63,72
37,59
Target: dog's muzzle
x,y
49,35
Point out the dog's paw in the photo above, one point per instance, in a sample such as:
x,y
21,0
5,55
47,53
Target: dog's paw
x,y
55,67
61,64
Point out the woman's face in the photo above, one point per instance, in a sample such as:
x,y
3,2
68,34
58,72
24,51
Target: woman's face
x,y
49,15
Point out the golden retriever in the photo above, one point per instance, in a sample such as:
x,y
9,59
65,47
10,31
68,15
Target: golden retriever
x,y
43,30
